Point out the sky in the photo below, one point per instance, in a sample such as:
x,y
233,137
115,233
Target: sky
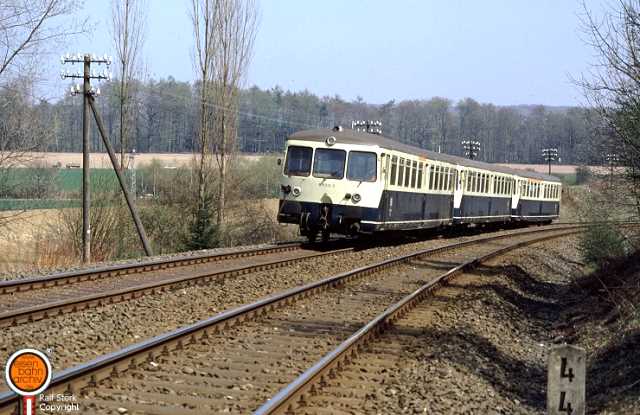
x,y
505,52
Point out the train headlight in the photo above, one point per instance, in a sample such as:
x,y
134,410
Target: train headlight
x,y
356,198
296,191
330,141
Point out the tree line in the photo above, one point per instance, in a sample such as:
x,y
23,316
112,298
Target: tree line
x,y
165,118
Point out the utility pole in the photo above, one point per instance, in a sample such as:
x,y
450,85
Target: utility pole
x,y
612,160
549,155
88,106
471,148
86,76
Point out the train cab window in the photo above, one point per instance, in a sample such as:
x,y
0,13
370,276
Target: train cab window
x,y
329,163
414,174
362,166
298,161
420,167
394,170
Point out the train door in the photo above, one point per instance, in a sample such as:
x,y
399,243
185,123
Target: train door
x,y
460,179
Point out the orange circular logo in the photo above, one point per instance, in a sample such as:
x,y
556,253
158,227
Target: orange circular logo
x,y
28,372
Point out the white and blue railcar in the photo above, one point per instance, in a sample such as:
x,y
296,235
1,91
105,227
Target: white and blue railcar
x,y
350,182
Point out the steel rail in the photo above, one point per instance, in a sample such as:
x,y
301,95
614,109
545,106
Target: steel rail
x,y
75,378
287,399
46,310
68,277
106,271
72,305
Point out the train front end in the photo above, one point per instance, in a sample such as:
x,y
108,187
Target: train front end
x,y
329,184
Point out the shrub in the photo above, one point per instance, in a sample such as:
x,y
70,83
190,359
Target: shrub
x,y
583,174
601,244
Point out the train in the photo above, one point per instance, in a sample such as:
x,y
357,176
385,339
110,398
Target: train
x,y
351,182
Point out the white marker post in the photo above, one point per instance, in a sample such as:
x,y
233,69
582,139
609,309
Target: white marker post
x,y
566,377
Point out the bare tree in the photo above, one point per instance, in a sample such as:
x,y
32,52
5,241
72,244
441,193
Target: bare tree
x,y
613,85
27,27
235,36
204,17
224,33
128,23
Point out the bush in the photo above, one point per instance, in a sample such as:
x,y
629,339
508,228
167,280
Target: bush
x,y
602,244
583,174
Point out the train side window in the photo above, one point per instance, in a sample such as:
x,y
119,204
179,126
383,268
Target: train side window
x,y
394,170
443,177
486,183
407,172
401,172
432,177
414,174
420,167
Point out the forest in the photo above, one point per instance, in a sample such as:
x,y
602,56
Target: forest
x,y
165,118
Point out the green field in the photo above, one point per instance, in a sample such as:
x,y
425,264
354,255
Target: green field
x,y
33,188
62,180
28,204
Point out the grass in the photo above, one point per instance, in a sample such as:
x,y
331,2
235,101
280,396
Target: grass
x,y
568,179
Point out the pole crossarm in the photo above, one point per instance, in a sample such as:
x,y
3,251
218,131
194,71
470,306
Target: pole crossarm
x,y
471,148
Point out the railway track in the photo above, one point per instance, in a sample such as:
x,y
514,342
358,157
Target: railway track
x,y
21,301
219,365
341,380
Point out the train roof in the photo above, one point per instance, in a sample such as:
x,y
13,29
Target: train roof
x,y
350,136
